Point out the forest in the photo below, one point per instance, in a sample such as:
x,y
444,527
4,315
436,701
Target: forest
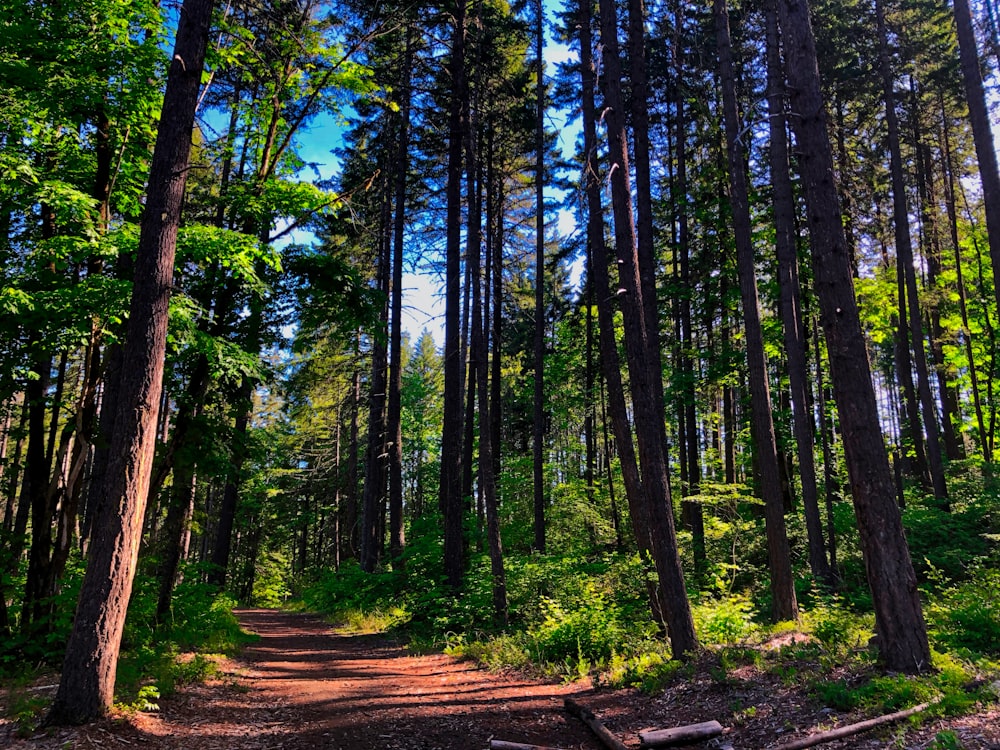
x,y
717,357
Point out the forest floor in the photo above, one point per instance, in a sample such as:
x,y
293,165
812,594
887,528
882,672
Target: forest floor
x,y
304,685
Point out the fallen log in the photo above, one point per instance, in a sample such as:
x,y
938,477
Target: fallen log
x,y
502,745
681,735
851,729
584,714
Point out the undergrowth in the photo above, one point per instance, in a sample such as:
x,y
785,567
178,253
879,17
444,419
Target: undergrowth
x,y
154,661
576,615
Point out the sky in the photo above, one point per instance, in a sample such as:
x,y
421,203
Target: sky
x,y
423,301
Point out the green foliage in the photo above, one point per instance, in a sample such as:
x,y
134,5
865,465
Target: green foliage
x,y
837,628
270,583
965,616
649,670
25,706
590,628
880,694
155,661
723,620
946,740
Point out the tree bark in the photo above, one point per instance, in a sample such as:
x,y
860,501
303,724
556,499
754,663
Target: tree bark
x,y
792,319
86,689
982,132
783,603
394,429
610,364
451,504
642,349
691,510
950,207
538,428
898,617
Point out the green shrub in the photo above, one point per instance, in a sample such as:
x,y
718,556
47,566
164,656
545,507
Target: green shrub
x,y
723,621
836,627
966,616
590,629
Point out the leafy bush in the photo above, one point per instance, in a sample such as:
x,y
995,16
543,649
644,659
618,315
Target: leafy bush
x,y
966,616
649,670
836,627
591,629
723,621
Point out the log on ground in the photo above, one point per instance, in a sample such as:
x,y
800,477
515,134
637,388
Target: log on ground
x,y
681,735
607,738
851,729
504,745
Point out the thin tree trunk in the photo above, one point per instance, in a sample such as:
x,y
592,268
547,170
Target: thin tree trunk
x,y
538,428
783,604
982,132
373,493
904,257
691,510
792,320
642,348
394,422
610,365
451,436
222,550
949,199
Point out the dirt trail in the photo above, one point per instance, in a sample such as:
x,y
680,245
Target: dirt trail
x,y
360,692
302,685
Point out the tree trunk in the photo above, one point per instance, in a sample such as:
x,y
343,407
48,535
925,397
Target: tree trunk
x,y
642,348
898,616
394,428
86,689
982,132
783,604
691,510
904,258
949,199
451,434
373,493
610,365
231,493
538,428
793,323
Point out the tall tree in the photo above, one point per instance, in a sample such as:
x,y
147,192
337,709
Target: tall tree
x,y
899,621
86,688
642,350
783,603
538,454
904,260
451,435
982,132
792,317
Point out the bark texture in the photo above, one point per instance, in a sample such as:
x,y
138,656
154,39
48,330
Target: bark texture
x,y
86,689
898,617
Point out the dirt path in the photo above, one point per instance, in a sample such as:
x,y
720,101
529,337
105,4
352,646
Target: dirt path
x,y
361,692
302,685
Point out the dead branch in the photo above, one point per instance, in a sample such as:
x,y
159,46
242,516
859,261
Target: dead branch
x,y
501,745
607,738
851,729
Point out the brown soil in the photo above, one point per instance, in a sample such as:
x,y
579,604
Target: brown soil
x,y
303,685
